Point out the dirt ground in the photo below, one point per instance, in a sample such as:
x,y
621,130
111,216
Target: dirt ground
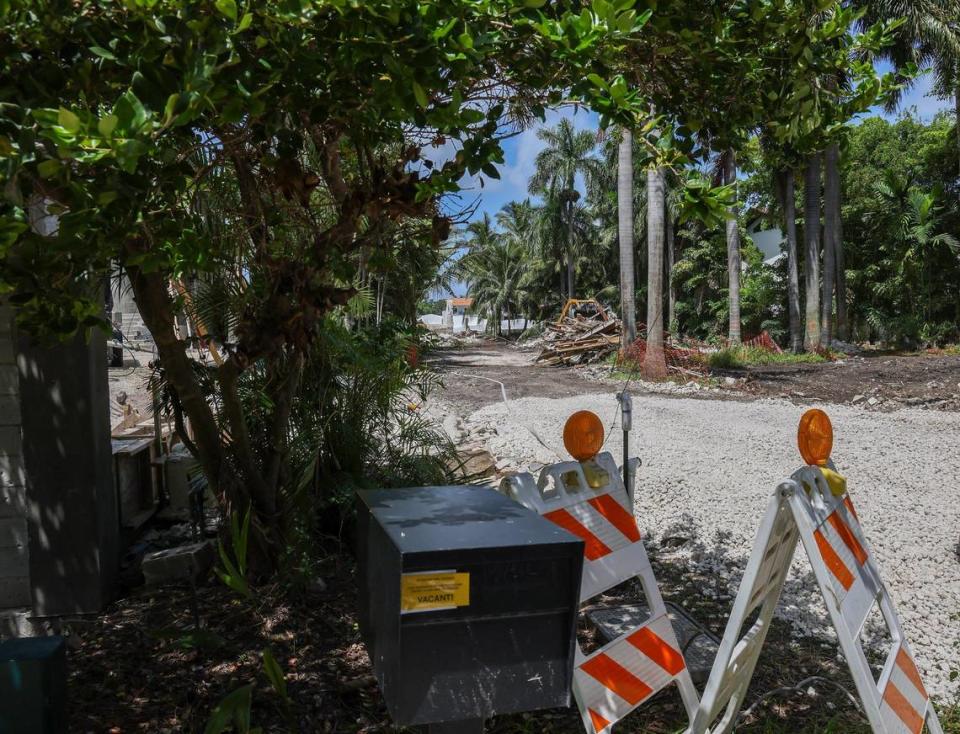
x,y
878,380
142,666
472,376
874,380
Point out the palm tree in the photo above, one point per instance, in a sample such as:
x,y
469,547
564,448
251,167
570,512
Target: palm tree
x,y
625,228
928,37
517,221
568,153
811,236
788,205
919,226
492,268
831,237
654,363
733,248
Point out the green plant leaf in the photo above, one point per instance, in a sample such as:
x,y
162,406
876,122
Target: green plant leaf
x,y
103,53
420,94
233,710
228,8
107,125
49,168
68,120
272,668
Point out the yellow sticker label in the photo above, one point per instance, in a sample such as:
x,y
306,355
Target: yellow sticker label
x,y
420,592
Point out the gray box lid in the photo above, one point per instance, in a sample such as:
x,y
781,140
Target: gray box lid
x,y
428,519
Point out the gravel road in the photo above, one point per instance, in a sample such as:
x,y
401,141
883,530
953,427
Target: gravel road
x,y
709,467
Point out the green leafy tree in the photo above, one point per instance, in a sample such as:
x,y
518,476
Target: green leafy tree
x,y
568,153
275,146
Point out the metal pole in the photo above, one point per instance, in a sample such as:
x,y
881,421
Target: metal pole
x,y
626,422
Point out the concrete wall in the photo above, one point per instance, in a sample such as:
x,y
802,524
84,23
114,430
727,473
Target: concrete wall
x,y
68,468
14,544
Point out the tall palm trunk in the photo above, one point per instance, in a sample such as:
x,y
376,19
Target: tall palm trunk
x,y
671,261
654,363
571,265
625,230
785,190
831,219
840,327
733,249
811,237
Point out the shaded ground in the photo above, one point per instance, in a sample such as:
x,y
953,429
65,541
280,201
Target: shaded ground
x,y
918,380
132,669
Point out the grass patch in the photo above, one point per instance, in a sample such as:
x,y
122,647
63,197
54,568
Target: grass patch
x,y
737,357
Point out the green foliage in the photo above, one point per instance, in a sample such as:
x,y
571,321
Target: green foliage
x,y
233,712
284,155
740,356
436,306
357,420
234,571
900,217
275,675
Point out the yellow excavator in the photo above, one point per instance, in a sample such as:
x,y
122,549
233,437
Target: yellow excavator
x,y
585,307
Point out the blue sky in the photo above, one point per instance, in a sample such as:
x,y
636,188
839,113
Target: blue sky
x,y
520,152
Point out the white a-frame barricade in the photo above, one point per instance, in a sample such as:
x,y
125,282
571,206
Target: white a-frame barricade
x,y
804,508
610,682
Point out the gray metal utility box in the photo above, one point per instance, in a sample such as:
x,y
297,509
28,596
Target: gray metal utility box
x,y
468,603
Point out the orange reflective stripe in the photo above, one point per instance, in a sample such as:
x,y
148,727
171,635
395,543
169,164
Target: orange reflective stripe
x,y
617,678
650,644
599,723
902,708
833,561
849,505
594,548
848,538
617,516
909,668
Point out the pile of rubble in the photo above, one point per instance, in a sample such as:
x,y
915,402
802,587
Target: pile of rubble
x,y
580,340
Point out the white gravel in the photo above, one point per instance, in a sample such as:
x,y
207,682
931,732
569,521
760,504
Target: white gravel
x,y
711,465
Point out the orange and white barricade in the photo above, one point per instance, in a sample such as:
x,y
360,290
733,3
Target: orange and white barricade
x,y
806,508
590,501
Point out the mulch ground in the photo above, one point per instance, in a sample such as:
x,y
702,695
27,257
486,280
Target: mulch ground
x,y
140,667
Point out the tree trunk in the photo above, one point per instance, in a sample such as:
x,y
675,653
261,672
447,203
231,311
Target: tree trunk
x,y
654,364
571,265
671,261
831,220
628,294
840,274
788,203
811,236
733,249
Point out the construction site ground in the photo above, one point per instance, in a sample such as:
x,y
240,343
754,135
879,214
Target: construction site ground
x,y
713,453
895,380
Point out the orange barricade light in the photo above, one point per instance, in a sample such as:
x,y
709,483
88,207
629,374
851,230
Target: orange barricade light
x,y
583,435
815,437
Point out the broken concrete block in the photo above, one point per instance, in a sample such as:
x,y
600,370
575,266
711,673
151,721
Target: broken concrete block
x,y
178,564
